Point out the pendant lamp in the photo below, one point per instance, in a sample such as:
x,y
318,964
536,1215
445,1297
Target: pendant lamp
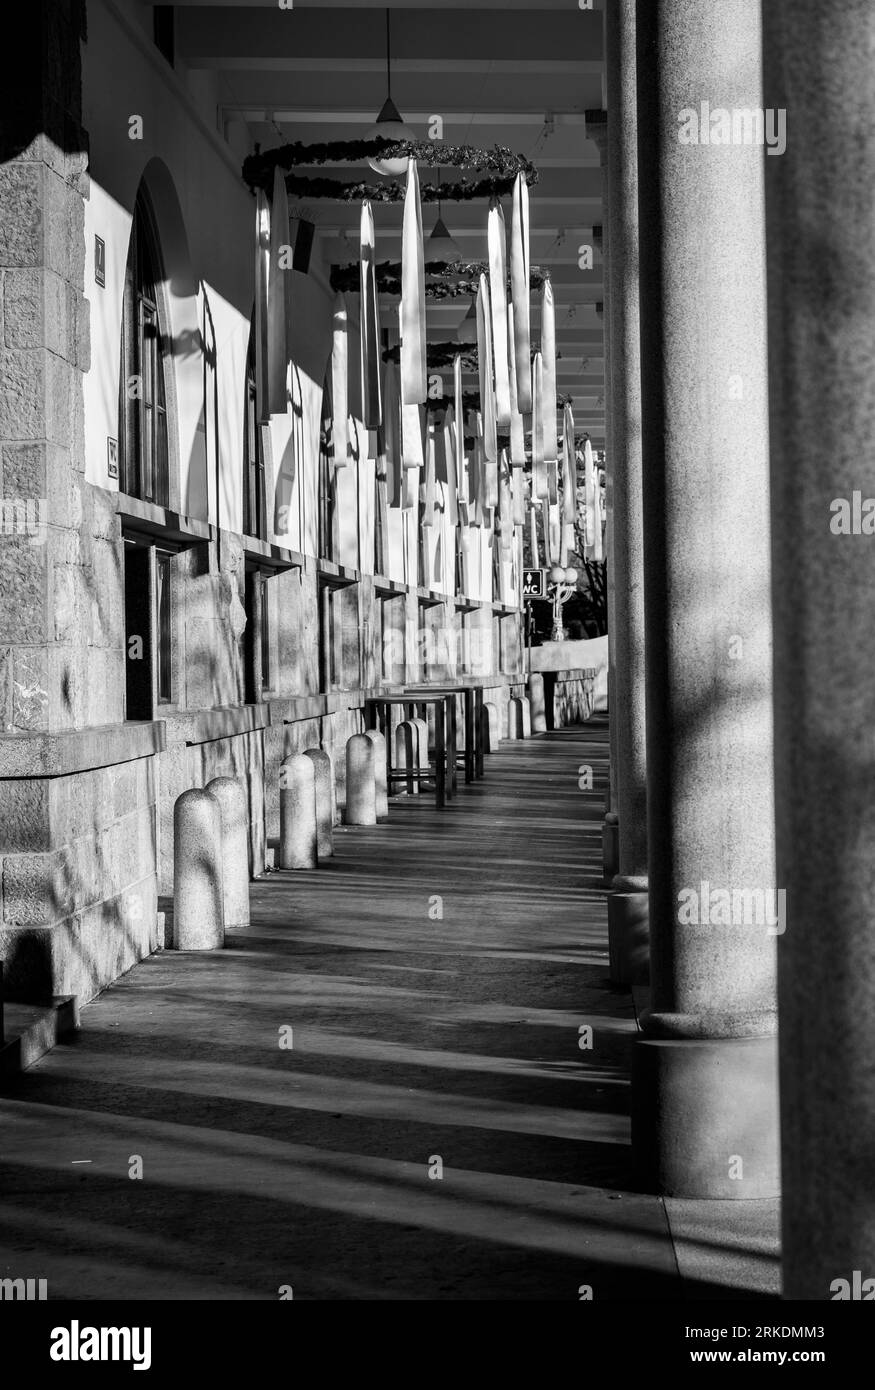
x,y
440,245
389,125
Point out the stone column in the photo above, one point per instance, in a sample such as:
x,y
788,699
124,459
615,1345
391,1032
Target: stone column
x,y
596,130
627,905
705,1069
820,203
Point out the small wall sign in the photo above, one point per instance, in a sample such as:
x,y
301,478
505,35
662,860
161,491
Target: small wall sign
x,y
99,261
112,458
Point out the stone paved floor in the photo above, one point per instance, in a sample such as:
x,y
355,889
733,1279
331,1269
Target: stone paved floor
x,y
415,1038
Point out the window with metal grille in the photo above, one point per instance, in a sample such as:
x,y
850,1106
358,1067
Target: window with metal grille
x,y
143,451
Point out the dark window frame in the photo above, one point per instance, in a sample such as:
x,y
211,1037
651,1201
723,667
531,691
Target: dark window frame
x,y
144,425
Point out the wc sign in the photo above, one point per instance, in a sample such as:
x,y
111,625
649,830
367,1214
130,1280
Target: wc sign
x,y
534,583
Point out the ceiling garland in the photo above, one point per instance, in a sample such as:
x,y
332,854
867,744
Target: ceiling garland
x,y
346,278
501,165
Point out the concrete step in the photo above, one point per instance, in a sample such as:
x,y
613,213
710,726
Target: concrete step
x,y
31,1030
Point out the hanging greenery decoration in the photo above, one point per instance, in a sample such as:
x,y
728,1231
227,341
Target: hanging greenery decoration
x,y
501,166
347,278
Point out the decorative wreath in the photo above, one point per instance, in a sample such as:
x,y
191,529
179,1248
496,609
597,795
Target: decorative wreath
x,y
501,164
346,278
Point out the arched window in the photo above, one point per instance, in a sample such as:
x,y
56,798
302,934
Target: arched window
x,y
143,450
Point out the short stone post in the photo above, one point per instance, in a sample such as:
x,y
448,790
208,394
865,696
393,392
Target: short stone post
x,y
491,728
298,839
407,753
538,706
361,789
323,775
519,723
422,745
234,815
380,779
198,896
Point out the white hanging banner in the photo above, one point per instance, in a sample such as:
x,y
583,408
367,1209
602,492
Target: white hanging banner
x,y
340,382
277,342
414,379
539,471
518,494
551,531
560,531
262,267
370,323
497,244
548,356
475,476
519,282
590,485
462,478
505,502
569,471
427,490
448,463
484,364
392,435
517,426
598,544
533,535
412,455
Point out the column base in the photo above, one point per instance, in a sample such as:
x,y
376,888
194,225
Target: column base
x,y
705,1117
611,846
628,934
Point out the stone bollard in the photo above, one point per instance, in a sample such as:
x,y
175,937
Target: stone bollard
x,y
198,895
537,703
422,745
298,840
323,774
407,753
491,727
380,779
361,789
234,814
518,717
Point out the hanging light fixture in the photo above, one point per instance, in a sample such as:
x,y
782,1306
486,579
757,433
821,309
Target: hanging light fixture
x,y
390,125
440,245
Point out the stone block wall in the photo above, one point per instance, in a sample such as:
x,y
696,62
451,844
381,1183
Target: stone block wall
x,y
569,697
86,799
78,887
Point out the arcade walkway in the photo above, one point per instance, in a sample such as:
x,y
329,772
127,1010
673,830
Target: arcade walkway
x,y
415,1038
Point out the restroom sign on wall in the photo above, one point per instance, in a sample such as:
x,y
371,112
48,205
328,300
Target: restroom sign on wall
x,y
534,583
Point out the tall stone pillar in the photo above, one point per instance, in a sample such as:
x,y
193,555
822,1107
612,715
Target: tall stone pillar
x,y
627,905
49,569
705,1067
820,202
596,130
